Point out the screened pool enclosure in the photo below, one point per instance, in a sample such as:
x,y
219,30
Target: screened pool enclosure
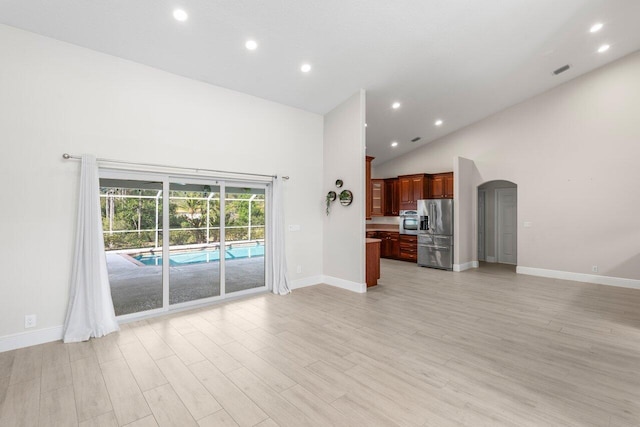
x,y
170,241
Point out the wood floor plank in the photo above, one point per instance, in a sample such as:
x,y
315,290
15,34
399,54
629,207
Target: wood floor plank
x,y
168,410
91,394
58,408
144,369
105,420
180,346
27,364
195,396
148,421
106,348
317,411
55,354
6,363
219,419
80,350
21,406
278,408
272,376
125,335
213,352
128,402
315,384
243,410
151,341
4,386
55,377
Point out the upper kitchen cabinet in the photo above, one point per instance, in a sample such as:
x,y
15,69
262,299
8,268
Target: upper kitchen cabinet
x,y
367,183
412,189
377,197
441,186
391,197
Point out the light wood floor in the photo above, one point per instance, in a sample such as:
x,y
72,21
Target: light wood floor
x,y
426,347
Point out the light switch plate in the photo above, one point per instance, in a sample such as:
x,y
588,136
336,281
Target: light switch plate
x,y
294,227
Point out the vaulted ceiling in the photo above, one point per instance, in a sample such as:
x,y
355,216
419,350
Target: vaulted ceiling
x,y
452,60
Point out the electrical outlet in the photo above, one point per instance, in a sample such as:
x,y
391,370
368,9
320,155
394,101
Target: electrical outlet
x,y
594,268
299,269
30,321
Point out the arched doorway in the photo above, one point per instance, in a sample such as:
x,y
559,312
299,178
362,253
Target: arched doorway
x,y
498,222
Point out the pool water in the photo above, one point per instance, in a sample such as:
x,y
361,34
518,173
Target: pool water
x,y
199,257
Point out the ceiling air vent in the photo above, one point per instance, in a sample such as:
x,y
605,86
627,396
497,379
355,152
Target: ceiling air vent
x,y
416,139
562,69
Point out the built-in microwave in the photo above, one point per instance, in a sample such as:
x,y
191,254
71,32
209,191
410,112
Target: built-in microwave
x,y
409,222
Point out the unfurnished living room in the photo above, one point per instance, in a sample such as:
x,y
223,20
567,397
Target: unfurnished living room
x,y
336,213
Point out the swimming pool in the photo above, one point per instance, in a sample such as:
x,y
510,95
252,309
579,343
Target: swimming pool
x,y
202,256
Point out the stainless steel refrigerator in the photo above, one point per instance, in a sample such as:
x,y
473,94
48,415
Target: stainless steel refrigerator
x,y
435,233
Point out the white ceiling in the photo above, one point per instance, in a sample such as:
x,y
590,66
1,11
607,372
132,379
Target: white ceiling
x,y
458,60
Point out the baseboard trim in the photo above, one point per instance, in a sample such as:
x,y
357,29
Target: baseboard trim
x,y
360,288
307,281
27,339
580,277
465,266
491,259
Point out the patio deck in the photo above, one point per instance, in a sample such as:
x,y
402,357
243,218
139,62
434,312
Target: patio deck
x,y
137,288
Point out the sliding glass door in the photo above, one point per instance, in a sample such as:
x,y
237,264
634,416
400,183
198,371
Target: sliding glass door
x,y
244,238
194,236
213,246
132,211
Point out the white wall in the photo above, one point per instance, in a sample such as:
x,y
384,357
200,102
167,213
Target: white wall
x,y
573,152
463,224
56,98
344,227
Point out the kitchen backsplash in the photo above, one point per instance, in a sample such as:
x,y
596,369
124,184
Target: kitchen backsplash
x,y
395,220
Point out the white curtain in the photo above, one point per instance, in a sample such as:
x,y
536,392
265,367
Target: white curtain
x,y
278,267
90,312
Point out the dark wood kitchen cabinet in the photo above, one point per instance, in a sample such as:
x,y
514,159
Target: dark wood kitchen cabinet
x,y
390,244
391,197
377,197
367,183
412,188
372,275
408,248
441,186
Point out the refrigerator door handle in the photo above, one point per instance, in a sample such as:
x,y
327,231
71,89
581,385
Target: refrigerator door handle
x,y
433,218
435,247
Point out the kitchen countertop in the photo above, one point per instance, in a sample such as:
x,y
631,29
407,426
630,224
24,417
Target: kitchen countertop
x,y
383,227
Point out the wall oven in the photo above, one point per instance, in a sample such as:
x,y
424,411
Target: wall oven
x,y
409,222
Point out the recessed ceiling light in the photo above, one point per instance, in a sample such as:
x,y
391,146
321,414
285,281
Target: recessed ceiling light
x,y
251,45
394,144
596,27
395,105
438,122
180,15
365,125
603,48
305,68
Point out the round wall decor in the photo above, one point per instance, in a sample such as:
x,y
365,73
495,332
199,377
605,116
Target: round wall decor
x,y
346,197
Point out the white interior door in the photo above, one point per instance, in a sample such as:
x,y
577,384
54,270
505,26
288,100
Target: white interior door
x,y
507,224
481,226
